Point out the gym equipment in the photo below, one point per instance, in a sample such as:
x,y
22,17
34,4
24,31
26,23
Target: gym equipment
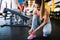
x,y
11,17
55,14
15,12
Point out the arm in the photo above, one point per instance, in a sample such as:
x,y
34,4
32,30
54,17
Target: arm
x,y
17,2
34,11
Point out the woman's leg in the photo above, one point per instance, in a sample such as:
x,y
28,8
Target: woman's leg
x,y
47,29
34,22
34,25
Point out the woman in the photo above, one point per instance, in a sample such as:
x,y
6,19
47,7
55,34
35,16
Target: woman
x,y
40,19
20,4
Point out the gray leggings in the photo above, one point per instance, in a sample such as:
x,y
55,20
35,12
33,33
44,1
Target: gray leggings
x,y
46,28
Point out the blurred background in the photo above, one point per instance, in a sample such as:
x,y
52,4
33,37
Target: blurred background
x,y
11,30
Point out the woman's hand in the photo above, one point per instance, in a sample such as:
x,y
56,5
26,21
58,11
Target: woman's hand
x,y
34,32
30,31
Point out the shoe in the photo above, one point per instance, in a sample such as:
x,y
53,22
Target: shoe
x,y
31,37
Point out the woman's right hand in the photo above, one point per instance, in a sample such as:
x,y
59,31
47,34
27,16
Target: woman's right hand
x,y
30,31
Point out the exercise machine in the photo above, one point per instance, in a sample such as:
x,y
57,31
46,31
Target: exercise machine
x,y
23,17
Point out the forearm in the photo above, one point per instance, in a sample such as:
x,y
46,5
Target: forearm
x,y
40,26
17,2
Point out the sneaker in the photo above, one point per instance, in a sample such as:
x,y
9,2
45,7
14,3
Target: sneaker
x,y
31,37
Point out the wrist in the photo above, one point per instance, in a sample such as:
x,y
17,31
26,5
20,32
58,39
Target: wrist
x,y
33,32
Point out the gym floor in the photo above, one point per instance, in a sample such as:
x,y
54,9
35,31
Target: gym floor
x,y
21,33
